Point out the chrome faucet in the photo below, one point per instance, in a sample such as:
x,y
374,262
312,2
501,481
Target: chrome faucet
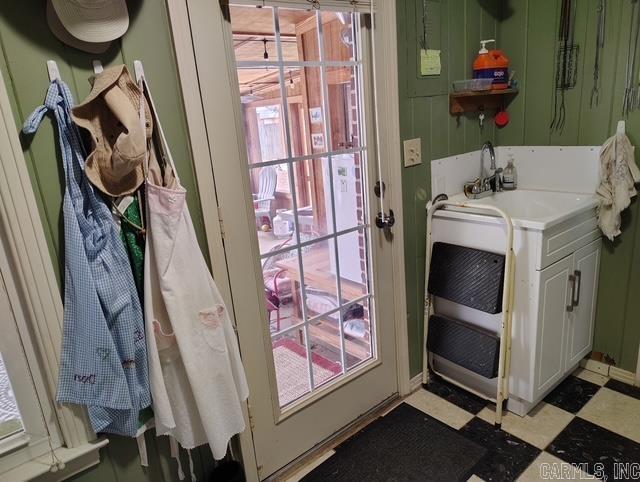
x,y
485,185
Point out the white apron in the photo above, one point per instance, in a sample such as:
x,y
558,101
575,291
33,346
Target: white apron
x,y
197,377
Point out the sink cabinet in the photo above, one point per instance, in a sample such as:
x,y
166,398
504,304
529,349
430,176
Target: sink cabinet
x,y
566,314
553,321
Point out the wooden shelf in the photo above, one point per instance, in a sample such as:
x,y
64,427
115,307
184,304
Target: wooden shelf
x,y
461,102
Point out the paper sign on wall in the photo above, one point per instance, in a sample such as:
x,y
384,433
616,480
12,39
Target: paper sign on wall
x,y
430,62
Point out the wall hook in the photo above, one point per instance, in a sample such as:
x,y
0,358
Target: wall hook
x,y
138,70
97,67
52,69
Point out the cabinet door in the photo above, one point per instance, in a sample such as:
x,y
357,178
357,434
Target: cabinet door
x,y
580,333
552,314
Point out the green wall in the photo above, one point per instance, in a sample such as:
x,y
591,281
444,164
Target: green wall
x,y
26,44
526,30
456,27
528,34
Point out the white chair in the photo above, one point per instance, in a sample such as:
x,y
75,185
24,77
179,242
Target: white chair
x,y
266,193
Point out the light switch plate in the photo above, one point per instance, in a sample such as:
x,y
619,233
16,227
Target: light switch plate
x,y
412,152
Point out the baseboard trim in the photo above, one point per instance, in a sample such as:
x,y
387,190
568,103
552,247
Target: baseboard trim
x,y
621,375
416,382
596,366
611,371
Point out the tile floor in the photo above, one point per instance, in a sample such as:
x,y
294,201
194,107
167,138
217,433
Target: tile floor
x,y
589,421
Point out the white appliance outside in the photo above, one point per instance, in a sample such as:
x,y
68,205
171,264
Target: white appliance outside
x,y
346,208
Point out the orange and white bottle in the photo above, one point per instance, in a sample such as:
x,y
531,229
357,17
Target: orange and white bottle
x,y
492,64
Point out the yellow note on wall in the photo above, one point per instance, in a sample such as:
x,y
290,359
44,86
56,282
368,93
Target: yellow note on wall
x,y
430,62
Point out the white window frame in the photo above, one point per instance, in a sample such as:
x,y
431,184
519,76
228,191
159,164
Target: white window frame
x,y
33,440
34,336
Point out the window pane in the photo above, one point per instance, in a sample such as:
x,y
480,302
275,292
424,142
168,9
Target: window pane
x,y
324,336
282,290
357,333
292,366
10,420
262,114
354,273
348,190
338,35
273,207
299,35
344,105
314,198
253,33
319,262
306,117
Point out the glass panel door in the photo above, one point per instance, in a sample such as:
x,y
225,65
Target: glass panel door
x,y
300,75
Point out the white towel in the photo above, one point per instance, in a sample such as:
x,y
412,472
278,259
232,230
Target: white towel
x,y
618,175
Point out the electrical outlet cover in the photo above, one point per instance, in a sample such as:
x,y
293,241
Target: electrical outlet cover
x,y
412,152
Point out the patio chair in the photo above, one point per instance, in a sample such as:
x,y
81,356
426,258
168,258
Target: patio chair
x,y
266,194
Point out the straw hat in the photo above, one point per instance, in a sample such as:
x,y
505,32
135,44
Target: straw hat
x,y
93,20
111,113
65,37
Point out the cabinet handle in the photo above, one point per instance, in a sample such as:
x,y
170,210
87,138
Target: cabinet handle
x,y
572,280
578,277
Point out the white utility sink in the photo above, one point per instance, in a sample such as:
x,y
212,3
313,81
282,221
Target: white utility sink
x,y
556,243
531,209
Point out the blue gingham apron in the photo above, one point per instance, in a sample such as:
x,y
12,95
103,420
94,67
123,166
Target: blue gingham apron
x,y
104,358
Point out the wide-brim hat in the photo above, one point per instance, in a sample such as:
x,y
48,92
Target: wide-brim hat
x,y
61,33
111,114
93,20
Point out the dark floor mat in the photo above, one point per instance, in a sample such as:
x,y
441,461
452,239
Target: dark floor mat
x,y
406,445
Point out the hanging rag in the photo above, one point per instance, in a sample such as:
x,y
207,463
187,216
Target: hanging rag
x,y
197,378
104,358
618,175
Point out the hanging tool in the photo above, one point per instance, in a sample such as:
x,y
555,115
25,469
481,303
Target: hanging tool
x,y
631,99
566,63
602,19
423,40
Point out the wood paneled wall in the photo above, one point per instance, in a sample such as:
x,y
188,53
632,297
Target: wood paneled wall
x,y
526,30
455,27
26,44
528,34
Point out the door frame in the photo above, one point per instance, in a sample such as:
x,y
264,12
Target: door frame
x,y
214,137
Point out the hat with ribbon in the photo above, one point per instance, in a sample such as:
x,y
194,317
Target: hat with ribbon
x,y
112,115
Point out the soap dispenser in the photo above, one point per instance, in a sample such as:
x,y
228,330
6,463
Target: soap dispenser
x,y
492,64
510,176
